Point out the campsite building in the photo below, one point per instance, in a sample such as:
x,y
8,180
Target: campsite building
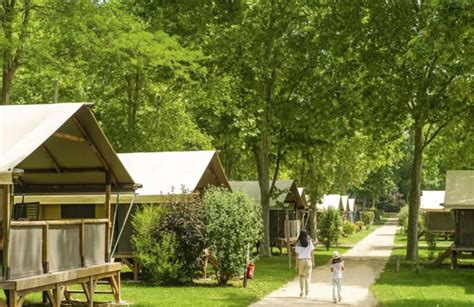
x,y
163,175
288,193
56,149
459,198
438,219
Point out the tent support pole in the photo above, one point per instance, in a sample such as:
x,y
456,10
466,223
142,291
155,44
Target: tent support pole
x,y
123,224
115,219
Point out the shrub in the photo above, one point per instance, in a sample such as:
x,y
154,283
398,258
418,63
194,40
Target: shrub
x,y
403,220
330,227
368,218
348,228
359,225
169,239
233,223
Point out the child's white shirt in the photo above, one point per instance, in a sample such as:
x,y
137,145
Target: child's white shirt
x,y
337,269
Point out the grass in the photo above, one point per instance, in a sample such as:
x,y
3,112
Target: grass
x,y
357,236
270,274
427,285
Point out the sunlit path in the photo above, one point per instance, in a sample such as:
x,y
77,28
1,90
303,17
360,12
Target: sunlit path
x,y
364,262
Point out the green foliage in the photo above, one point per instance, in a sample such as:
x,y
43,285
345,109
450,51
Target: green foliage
x,y
359,225
368,218
233,224
403,220
348,228
330,227
169,240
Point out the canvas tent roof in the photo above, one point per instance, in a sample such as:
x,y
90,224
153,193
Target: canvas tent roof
x,y
344,200
432,201
60,147
161,174
351,204
331,201
459,190
252,189
169,173
303,196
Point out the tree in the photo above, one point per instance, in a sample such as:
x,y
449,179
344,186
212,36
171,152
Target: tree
x,y
423,71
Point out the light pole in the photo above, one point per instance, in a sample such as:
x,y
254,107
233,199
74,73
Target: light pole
x,y
287,233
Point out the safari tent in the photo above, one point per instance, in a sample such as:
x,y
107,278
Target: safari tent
x,y
162,175
459,198
49,150
350,209
287,193
438,219
333,201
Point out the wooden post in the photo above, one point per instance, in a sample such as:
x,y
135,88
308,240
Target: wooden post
x,y
6,230
45,248
91,291
287,236
81,243
56,91
108,227
246,264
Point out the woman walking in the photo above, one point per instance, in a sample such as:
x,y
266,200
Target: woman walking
x,y
304,250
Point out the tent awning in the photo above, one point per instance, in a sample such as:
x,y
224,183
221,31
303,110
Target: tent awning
x,y
60,148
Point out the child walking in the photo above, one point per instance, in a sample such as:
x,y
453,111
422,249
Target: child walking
x,y
337,266
304,250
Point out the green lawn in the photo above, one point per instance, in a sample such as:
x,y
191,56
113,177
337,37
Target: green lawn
x,y
428,286
356,237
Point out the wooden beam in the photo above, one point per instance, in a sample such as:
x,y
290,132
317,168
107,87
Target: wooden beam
x,y
65,170
51,159
94,147
39,189
69,137
45,248
108,190
6,229
81,244
57,222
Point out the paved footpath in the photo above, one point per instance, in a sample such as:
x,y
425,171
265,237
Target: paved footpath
x,y
363,263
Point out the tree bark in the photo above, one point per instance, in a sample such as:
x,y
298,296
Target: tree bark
x,y
415,190
262,162
12,56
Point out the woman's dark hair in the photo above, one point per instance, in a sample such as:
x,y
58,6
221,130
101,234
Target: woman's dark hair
x,y
303,238
337,260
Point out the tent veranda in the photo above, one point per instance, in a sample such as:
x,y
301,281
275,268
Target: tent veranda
x,y
51,149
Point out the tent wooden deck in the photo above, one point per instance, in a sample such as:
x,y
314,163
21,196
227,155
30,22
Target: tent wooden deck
x,y
56,149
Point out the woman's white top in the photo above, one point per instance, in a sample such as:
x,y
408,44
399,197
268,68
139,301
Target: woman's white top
x,y
337,269
304,252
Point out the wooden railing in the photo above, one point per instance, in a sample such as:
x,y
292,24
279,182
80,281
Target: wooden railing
x,y
294,228
40,247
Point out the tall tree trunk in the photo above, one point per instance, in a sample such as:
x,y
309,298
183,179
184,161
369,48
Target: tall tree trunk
x,y
262,152
12,55
262,162
415,190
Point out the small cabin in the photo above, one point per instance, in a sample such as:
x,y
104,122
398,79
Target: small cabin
x,y
162,175
459,198
438,219
56,149
286,193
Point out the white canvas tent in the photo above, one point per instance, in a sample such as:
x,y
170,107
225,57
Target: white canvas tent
x,y
351,204
331,201
432,201
459,190
52,149
344,201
